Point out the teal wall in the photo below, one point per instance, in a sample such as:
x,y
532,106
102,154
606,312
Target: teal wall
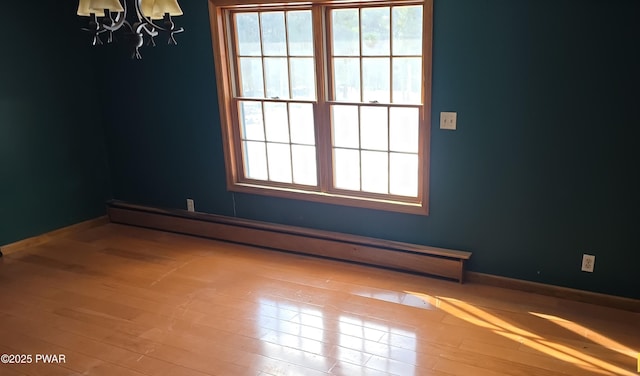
x,y
541,169
53,161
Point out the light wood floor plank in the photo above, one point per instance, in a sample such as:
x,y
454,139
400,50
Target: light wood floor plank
x,y
130,301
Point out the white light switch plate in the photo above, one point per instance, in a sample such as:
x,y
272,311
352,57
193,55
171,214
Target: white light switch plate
x,y
448,120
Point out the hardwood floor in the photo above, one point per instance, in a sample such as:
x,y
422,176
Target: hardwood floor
x,y
118,300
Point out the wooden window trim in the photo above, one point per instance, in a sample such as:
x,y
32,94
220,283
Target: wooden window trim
x,y
220,32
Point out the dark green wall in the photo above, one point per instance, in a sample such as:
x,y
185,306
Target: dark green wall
x,y
540,170
53,161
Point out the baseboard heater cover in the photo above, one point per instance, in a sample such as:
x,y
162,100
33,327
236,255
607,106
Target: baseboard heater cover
x,y
433,261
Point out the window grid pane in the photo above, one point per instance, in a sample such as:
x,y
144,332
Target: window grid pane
x,y
248,35
375,148
404,129
288,129
255,165
301,124
403,170
251,120
376,54
376,57
274,38
406,25
276,72
374,128
300,33
374,171
279,162
347,169
375,66
275,57
304,164
251,77
276,121
375,31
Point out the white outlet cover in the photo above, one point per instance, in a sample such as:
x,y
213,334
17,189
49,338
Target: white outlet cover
x,y
448,120
588,263
190,205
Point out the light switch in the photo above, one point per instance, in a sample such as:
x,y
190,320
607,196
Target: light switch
x,y
448,120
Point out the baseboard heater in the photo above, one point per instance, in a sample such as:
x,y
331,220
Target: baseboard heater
x,y
440,262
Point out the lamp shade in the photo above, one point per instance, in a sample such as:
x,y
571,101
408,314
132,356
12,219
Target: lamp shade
x,y
146,7
111,5
85,9
160,7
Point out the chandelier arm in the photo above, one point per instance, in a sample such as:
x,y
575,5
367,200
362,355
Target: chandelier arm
x,y
150,23
115,27
95,28
119,20
147,21
149,29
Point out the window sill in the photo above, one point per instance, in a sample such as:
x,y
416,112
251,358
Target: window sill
x,y
417,208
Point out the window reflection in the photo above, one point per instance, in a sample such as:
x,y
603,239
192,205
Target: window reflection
x,y
309,337
382,347
295,334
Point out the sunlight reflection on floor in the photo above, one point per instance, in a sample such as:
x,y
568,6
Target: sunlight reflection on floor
x,y
481,318
588,333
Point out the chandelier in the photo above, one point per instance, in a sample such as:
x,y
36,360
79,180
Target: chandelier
x,y
149,17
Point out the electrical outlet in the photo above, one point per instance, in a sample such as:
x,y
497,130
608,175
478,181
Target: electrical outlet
x,y
448,120
588,263
190,205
